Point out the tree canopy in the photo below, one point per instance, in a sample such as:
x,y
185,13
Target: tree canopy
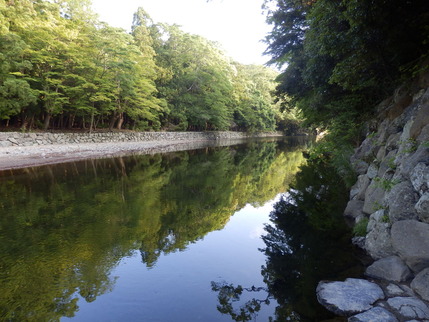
x,y
61,68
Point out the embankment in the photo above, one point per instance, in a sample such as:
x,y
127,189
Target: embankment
x,y
9,139
391,197
20,150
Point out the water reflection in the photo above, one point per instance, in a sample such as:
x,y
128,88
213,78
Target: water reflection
x,y
64,228
307,241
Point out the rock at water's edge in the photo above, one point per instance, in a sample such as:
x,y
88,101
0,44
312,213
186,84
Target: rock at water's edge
x,y
420,284
349,297
376,314
378,243
354,209
391,268
393,290
409,307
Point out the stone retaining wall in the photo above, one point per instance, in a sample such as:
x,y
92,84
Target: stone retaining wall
x,y
391,197
8,139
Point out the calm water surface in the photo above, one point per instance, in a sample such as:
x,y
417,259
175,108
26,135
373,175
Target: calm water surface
x,y
173,237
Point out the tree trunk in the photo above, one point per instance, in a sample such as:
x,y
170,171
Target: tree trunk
x,y
31,123
23,120
120,121
112,122
71,121
96,122
91,122
47,121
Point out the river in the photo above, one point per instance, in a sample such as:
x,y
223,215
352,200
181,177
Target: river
x,y
182,236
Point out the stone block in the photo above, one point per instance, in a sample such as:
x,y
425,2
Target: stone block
x,y
378,314
392,142
390,268
422,208
393,290
358,190
387,165
360,166
410,240
420,284
372,171
354,208
401,200
349,297
420,121
378,241
407,163
5,143
13,140
419,177
381,153
409,307
374,197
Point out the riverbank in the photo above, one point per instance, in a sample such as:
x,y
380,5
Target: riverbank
x,y
21,150
390,200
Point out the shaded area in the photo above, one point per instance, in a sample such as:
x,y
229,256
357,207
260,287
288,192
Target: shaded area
x,y
306,242
64,228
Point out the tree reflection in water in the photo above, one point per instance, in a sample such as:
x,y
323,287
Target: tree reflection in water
x,y
307,241
64,228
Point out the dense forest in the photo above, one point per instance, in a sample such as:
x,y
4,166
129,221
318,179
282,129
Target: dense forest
x,y
342,57
61,68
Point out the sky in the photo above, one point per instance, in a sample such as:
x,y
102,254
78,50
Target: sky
x,y
238,25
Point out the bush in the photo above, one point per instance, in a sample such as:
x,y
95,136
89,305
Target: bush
x,y
359,230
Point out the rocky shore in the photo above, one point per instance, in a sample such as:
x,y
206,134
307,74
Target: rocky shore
x,y
390,198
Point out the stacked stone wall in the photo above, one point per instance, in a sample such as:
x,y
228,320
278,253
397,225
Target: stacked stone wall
x,y
391,195
8,139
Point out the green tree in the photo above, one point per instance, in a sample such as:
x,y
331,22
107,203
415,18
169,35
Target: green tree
x,y
342,57
255,107
15,91
199,92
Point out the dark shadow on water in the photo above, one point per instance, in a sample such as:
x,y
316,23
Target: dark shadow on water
x,y
307,241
